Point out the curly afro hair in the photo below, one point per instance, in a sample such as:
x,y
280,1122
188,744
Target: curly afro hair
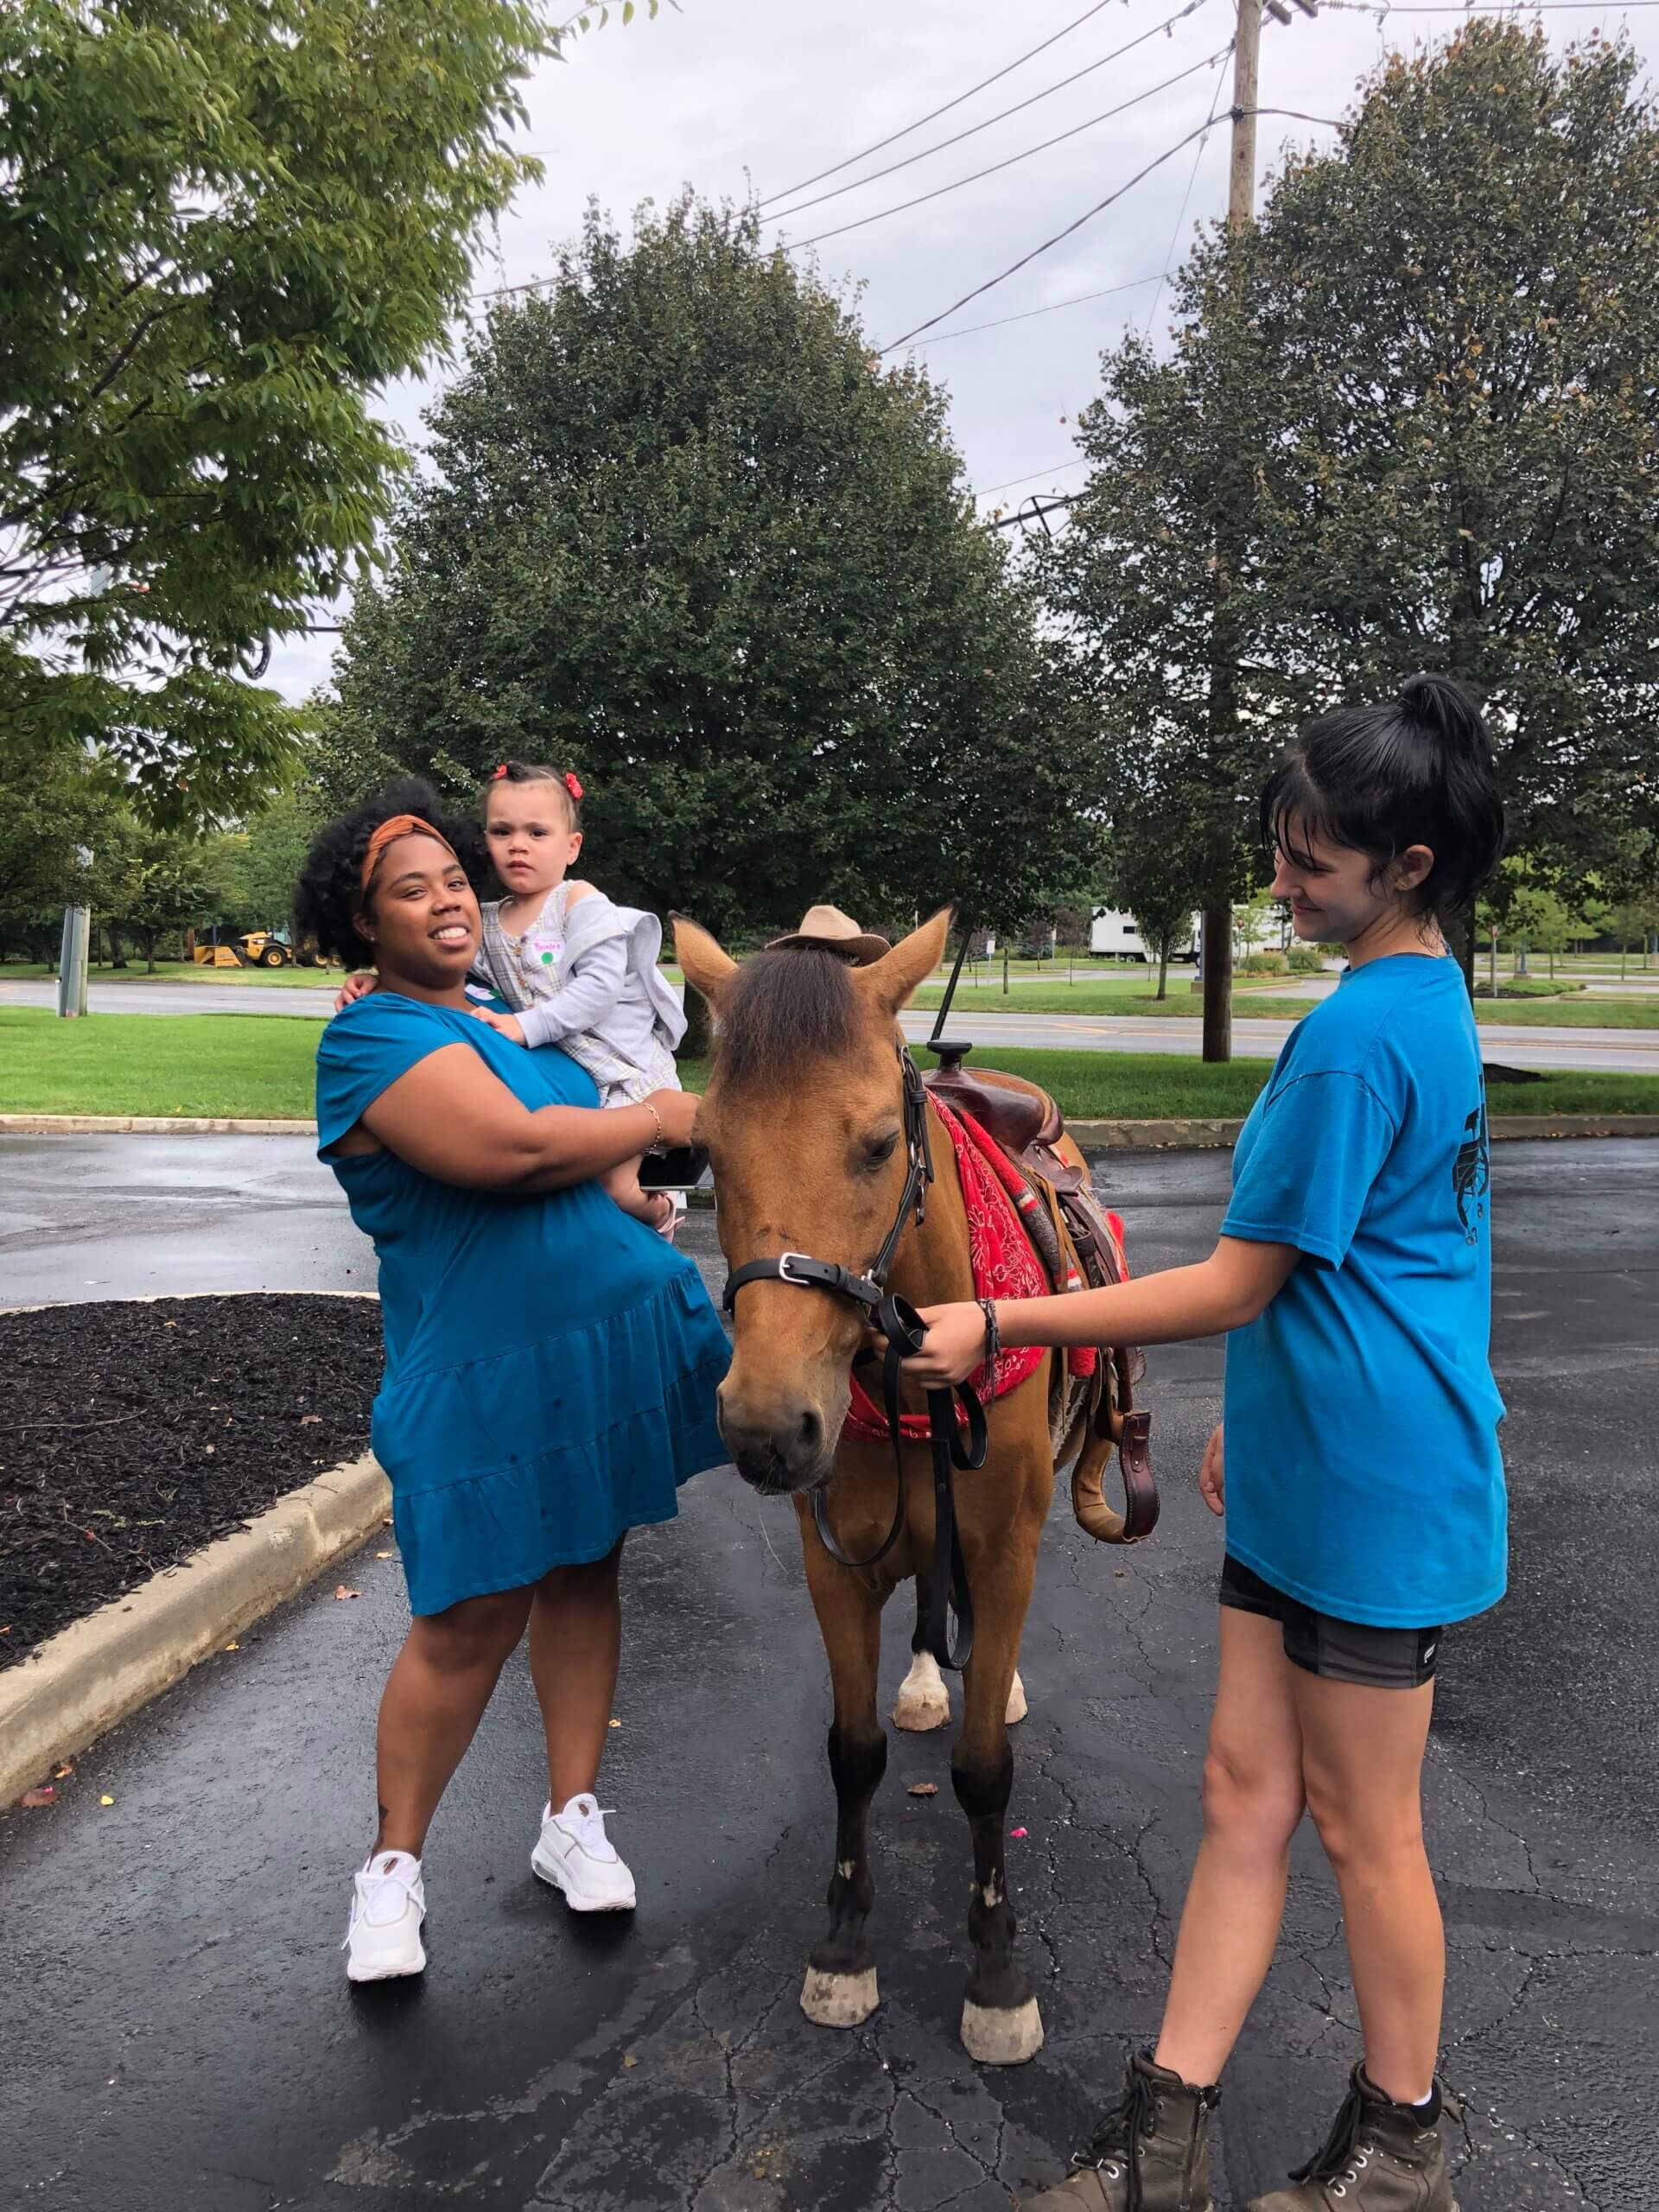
x,y
326,896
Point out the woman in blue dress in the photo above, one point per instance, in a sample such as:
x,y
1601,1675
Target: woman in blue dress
x,y
552,1364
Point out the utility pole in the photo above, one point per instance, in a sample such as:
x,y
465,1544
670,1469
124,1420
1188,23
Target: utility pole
x,y
1216,937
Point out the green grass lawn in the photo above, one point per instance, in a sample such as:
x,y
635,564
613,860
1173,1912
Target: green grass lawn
x,y
182,971
1157,1086
1582,1011
260,1067
1093,994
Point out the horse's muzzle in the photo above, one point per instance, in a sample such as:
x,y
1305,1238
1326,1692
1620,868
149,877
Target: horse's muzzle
x,y
789,1453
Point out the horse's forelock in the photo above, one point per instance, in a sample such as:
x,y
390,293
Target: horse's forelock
x,y
782,1007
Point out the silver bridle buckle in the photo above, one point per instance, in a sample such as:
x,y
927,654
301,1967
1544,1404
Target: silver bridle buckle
x,y
783,1275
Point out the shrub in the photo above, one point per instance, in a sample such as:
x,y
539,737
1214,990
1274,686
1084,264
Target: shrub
x,y
1306,960
1264,964
1526,987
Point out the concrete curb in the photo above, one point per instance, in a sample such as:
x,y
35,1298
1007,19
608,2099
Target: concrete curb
x,y
146,1125
1197,1134
78,1683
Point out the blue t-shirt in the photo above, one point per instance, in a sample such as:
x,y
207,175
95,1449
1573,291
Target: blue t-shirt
x,y
1364,1475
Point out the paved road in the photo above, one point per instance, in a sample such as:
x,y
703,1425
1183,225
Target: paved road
x,y
1624,1050
179,2036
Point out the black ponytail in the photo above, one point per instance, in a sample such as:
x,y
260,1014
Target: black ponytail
x,y
1378,779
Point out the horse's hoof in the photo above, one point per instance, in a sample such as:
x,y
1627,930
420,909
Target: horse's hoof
x,y
1017,1705
1001,2037
841,2000
923,1699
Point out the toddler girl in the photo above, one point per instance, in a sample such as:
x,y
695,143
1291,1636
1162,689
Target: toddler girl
x,y
579,971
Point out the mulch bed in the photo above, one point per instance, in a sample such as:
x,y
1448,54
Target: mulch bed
x,y
132,1434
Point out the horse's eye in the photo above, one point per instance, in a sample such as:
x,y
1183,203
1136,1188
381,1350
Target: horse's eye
x,y
881,1151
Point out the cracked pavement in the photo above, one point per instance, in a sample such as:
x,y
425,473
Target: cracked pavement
x,y
180,2037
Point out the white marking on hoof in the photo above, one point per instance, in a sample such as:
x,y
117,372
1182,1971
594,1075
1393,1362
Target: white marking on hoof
x,y
1017,1705
1001,2038
839,2000
924,1700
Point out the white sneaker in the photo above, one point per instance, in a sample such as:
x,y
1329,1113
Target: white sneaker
x,y
576,1855
388,1905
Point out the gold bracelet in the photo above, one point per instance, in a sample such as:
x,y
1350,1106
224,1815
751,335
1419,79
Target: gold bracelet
x,y
656,1144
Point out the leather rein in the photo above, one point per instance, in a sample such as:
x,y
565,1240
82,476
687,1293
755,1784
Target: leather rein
x,y
902,1327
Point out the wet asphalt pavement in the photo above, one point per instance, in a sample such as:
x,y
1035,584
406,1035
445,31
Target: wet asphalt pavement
x,y
179,2036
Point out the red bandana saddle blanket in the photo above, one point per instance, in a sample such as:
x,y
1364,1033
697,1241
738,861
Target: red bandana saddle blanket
x,y
998,1199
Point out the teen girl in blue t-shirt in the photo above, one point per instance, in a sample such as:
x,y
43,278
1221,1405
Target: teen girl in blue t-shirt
x,y
1363,1486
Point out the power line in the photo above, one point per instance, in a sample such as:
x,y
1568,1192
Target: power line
x,y
1186,202
939,193
1154,277
893,137
1088,214
1527,7
1002,116
1058,469
1026,259
1033,513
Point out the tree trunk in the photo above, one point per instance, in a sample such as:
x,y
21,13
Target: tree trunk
x,y
148,938
1005,968
1216,953
117,946
698,1038
1163,968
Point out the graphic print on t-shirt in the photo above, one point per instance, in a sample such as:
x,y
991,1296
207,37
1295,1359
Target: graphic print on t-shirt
x,y
1472,1173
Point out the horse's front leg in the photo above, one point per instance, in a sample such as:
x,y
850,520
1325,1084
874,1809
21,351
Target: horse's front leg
x,y
1000,2023
840,1990
924,1696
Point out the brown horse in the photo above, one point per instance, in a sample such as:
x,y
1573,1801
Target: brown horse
x,y
803,1120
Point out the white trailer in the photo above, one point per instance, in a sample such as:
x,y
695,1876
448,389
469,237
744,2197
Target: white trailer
x,y
1116,935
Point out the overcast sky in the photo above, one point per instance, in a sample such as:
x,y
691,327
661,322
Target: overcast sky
x,y
735,96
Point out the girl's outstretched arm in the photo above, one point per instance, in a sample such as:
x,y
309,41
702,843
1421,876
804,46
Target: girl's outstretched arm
x,y
1223,1292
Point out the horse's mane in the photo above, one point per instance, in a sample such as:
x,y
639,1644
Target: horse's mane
x,y
792,1004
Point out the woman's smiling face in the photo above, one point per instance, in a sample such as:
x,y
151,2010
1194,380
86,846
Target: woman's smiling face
x,y
424,921
1336,895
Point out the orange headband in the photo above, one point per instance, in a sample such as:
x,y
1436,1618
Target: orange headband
x,y
396,826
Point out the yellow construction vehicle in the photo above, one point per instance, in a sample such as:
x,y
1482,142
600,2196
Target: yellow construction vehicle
x,y
255,949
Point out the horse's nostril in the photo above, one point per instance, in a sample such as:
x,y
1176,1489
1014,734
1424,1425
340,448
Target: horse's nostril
x,y
811,1437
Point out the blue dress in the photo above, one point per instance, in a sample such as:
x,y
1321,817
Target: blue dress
x,y
551,1363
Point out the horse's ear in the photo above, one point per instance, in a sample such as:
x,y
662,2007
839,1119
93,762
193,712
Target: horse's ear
x,y
894,978
702,961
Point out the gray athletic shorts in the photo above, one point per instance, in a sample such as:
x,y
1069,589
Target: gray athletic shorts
x,y
1338,1652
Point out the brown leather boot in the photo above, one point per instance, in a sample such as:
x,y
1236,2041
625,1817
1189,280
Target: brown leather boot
x,y
1379,2156
1151,2155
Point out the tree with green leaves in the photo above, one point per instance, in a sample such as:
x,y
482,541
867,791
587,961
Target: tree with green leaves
x,y
1154,879
67,833
1634,922
225,226
263,857
182,881
1406,424
683,534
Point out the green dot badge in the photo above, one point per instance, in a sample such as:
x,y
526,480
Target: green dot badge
x,y
547,960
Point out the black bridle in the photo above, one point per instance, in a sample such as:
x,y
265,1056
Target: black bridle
x,y
902,1327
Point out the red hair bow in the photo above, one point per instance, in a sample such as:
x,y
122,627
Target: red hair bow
x,y
499,772
572,785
